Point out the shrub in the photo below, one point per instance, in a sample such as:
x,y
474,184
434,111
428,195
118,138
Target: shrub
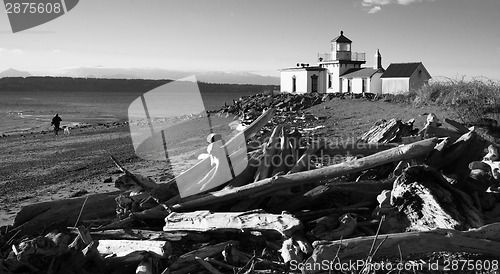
x,y
472,101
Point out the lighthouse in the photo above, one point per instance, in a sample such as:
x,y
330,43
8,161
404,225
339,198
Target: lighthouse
x,y
340,59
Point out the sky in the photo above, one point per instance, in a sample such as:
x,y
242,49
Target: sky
x,y
453,38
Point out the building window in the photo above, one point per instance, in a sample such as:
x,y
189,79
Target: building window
x,y
330,81
419,74
294,84
343,47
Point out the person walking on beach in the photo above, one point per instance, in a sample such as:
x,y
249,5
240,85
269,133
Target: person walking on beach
x,y
56,122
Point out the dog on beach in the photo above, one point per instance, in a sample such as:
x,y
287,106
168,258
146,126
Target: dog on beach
x,y
65,130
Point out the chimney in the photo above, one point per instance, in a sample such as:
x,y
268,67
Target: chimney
x,y
378,60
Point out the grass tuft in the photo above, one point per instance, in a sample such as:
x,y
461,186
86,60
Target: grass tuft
x,y
474,102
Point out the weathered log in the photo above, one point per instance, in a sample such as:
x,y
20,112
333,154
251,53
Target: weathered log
x,y
344,227
64,212
492,154
221,264
458,127
484,240
290,251
257,220
146,266
311,215
271,149
475,151
115,264
286,159
391,155
427,201
85,248
356,149
448,154
381,132
387,132
135,234
207,251
367,190
432,131
304,161
124,247
207,265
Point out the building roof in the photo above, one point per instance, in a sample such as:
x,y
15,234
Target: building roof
x,y
341,38
397,70
360,73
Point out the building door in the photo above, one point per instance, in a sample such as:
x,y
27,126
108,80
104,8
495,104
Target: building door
x,y
314,83
349,86
294,84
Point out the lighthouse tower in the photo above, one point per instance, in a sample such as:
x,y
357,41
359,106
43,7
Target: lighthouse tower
x,y
338,61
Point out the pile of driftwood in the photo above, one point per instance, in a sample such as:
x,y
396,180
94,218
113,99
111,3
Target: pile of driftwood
x,y
402,190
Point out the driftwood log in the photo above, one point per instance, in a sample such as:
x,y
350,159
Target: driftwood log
x,y
445,154
289,180
356,149
257,220
484,240
364,190
388,131
205,252
427,201
270,150
124,247
64,213
137,234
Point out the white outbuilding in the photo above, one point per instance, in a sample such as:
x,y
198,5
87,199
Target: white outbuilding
x,y
404,77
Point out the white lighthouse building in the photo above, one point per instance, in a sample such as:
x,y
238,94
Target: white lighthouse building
x,y
341,71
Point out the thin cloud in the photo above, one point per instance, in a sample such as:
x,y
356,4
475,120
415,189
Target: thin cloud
x,y
375,5
369,3
10,51
375,9
407,2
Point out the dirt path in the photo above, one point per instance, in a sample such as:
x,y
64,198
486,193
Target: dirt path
x,y
43,167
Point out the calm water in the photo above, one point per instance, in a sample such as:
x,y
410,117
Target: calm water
x,y
33,111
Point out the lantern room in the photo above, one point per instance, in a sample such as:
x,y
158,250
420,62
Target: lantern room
x,y
341,47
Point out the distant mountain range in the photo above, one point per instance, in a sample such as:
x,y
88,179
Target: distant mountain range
x,y
147,73
14,73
